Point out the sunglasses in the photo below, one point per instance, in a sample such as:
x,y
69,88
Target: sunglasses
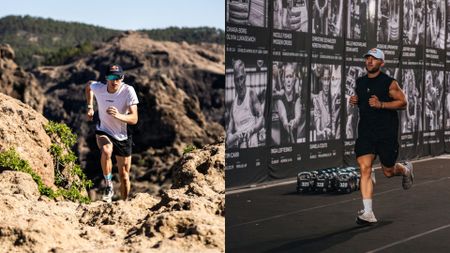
x,y
113,77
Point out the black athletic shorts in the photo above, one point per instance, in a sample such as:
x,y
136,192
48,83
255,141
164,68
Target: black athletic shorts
x,y
385,148
120,148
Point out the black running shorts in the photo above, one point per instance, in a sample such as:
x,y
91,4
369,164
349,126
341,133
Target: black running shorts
x,y
120,148
385,148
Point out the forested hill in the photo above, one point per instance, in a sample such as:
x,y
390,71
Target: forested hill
x,y
190,35
41,41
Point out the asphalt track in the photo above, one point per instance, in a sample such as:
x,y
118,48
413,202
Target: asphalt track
x,y
277,219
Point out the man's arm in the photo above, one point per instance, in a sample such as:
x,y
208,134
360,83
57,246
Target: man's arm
x,y
89,94
399,99
284,19
257,111
90,101
316,110
282,114
395,92
298,112
131,118
232,136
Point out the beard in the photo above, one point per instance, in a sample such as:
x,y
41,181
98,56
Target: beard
x,y
374,70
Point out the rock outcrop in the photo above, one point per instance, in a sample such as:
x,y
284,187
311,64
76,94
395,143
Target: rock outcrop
x,y
190,217
16,82
22,129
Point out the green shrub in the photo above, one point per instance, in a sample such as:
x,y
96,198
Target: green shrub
x,y
63,132
11,160
189,148
63,139
55,150
73,194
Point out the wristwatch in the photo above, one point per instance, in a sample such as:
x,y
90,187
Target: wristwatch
x,y
90,106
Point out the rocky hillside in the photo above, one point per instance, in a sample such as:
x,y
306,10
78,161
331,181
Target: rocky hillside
x,y
190,217
181,93
180,88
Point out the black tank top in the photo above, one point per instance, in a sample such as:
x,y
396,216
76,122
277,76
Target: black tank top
x,y
381,122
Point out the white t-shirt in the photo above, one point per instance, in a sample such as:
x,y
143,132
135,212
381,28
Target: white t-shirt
x,y
122,100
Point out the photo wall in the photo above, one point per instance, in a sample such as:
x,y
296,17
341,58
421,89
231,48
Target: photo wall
x,y
292,65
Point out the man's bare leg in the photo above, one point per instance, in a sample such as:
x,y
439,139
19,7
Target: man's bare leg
x,y
365,165
366,186
401,170
106,149
124,166
396,170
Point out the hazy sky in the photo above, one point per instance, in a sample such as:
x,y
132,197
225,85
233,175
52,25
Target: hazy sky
x,y
125,14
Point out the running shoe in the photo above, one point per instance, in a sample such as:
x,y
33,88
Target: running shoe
x,y
408,178
366,218
108,193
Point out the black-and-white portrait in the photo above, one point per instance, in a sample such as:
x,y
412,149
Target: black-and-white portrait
x,y
413,22
288,98
447,102
411,117
351,74
245,100
327,18
291,15
247,12
325,102
434,84
357,18
435,24
389,21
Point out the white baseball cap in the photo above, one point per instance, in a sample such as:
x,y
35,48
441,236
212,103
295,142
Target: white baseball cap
x,y
375,52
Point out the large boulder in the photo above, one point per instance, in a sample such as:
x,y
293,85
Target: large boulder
x,y
192,212
22,129
16,82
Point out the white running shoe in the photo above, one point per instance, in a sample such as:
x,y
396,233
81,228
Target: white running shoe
x,y
108,193
408,178
366,218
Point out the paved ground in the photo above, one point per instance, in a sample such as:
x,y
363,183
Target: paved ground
x,y
277,219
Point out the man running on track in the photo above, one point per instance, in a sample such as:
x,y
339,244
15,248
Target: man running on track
x,y
378,97
117,107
